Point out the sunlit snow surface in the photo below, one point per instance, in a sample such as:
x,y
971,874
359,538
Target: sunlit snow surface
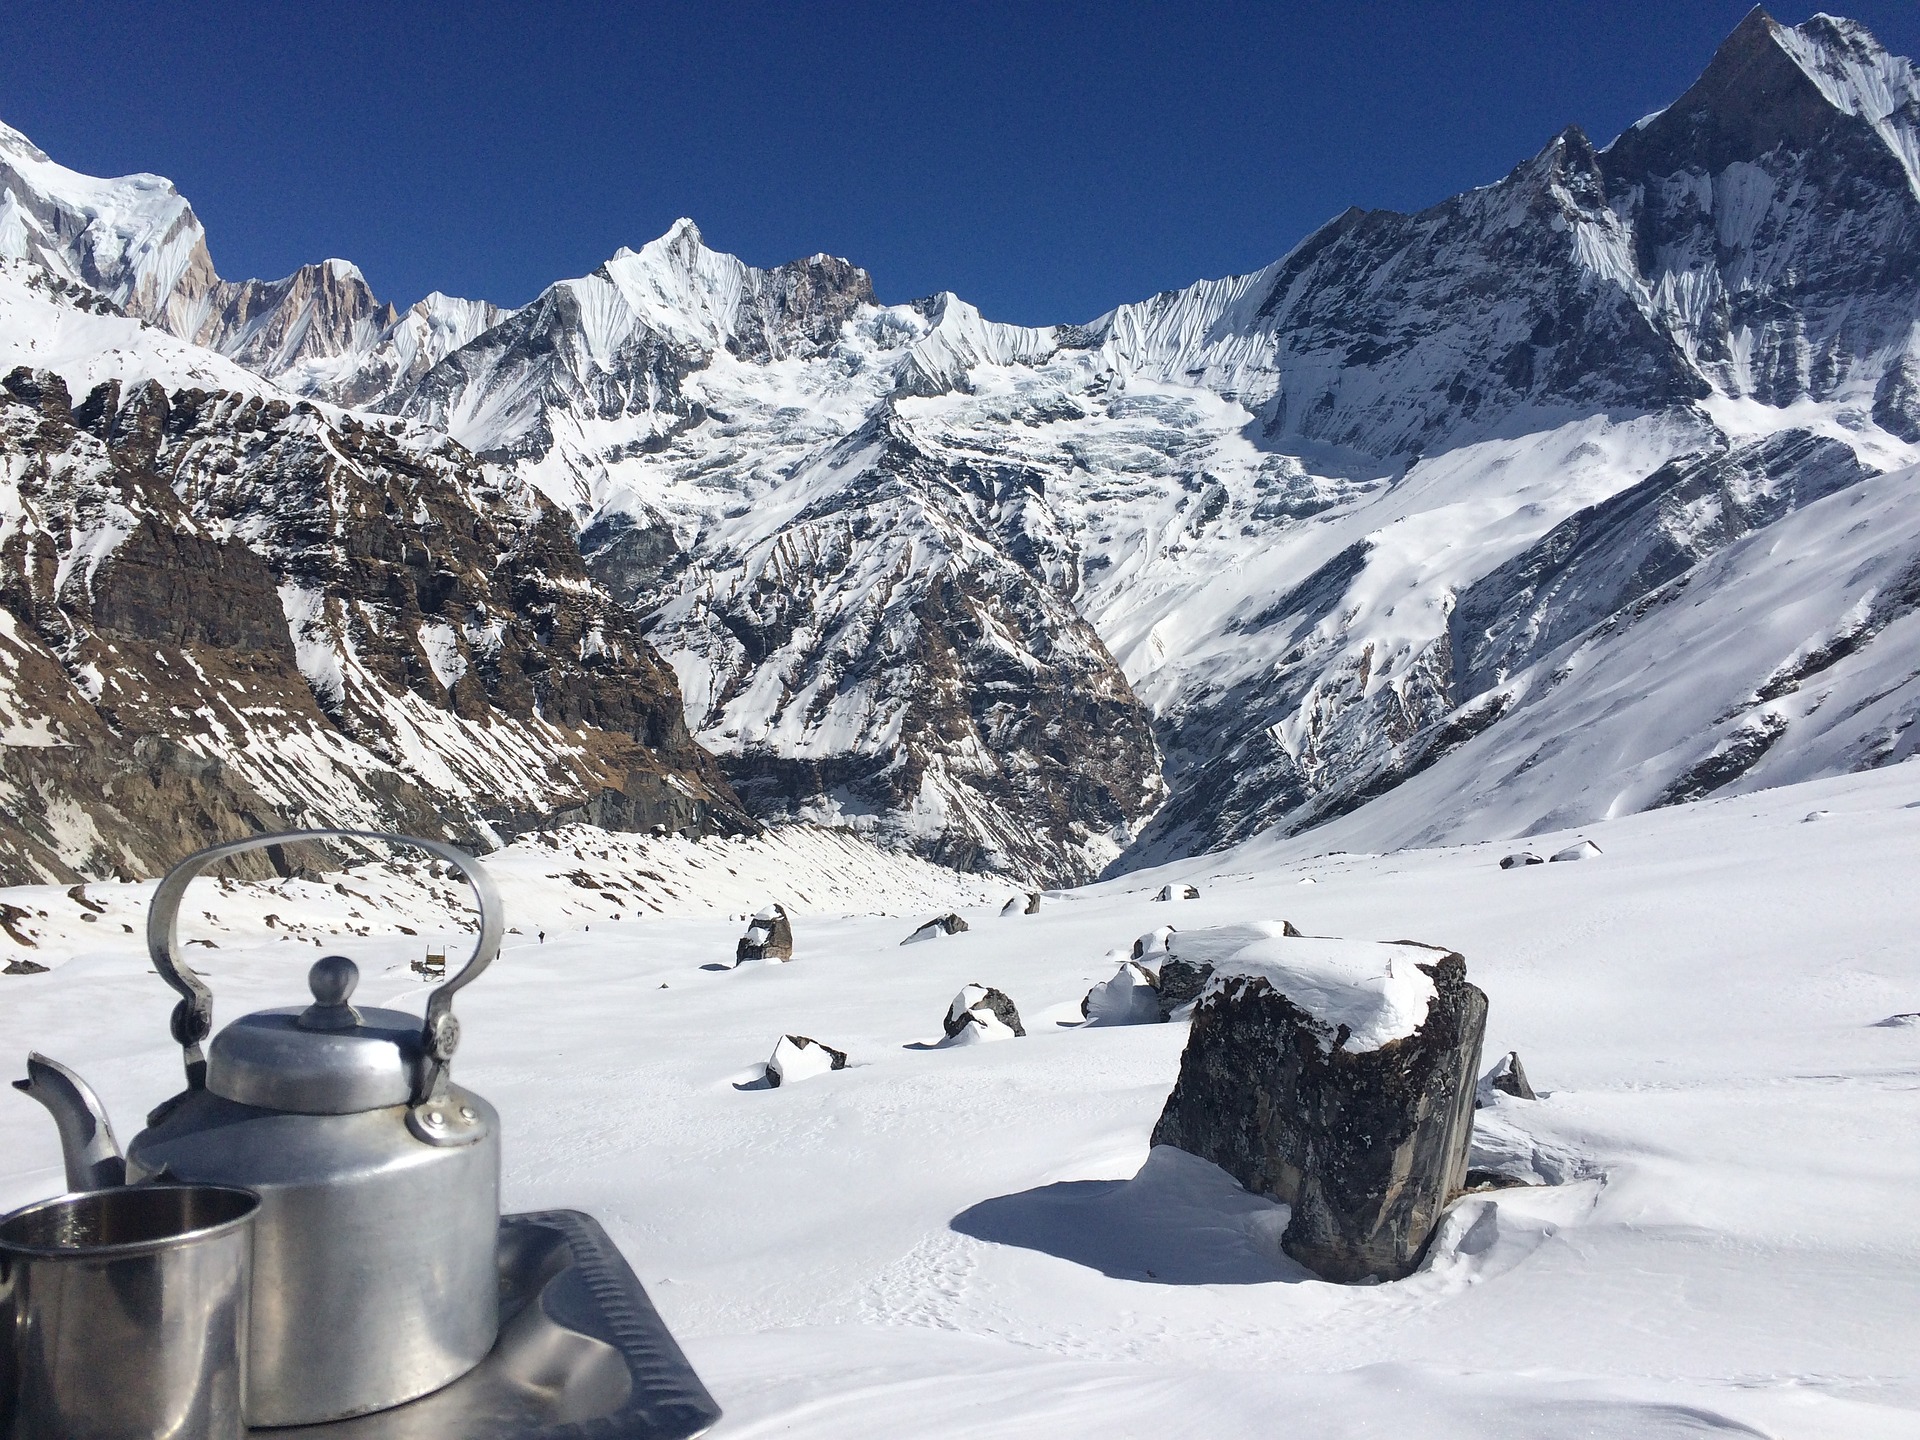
x,y
972,1241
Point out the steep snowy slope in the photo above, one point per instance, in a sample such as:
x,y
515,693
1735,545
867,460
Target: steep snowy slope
x,y
1790,654
871,627
133,239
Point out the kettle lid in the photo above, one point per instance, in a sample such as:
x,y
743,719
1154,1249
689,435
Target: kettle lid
x,y
327,1058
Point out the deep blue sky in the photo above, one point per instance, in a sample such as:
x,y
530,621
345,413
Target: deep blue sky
x,y
1045,161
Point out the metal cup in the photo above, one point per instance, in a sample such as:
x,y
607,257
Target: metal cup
x,y
123,1314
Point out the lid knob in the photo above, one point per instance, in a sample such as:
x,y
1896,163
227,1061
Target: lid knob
x,y
331,980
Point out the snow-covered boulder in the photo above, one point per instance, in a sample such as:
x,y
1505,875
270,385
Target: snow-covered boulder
x,y
1579,850
1154,942
1186,961
1033,902
1131,997
1178,892
980,1012
800,1057
1508,1077
768,937
1015,904
1520,859
1334,1075
935,928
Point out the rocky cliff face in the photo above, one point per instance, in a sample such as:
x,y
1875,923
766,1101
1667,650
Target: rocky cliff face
x,y
224,613
874,627
883,660
1396,334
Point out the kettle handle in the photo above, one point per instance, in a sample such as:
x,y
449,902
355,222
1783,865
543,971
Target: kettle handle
x,y
193,1017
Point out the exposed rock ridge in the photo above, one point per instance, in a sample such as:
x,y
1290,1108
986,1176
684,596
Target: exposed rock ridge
x,y
224,614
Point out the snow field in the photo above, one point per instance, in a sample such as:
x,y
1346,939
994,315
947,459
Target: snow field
x,y
974,1241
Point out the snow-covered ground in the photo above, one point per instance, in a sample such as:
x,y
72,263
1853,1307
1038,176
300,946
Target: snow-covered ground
x,y
973,1241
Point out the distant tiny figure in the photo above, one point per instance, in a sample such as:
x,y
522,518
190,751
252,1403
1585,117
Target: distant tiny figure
x,y
543,937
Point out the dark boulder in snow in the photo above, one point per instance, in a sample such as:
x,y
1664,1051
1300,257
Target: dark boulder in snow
x,y
800,1057
1336,1076
24,967
936,927
1509,1077
768,937
1033,903
980,1012
1014,906
1579,850
1131,997
1178,892
1520,858
1905,1020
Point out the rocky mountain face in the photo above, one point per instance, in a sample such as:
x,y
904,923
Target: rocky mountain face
x,y
223,613
873,627
1288,504
1257,552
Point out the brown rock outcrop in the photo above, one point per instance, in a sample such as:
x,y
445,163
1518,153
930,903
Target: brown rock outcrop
x,y
221,613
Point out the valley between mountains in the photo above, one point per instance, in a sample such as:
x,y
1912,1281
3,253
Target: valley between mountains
x,y
1583,493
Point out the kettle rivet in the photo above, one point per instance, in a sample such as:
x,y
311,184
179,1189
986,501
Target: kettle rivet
x,y
434,1117
466,1112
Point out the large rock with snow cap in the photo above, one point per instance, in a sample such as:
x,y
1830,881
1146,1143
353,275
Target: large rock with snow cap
x,y
801,1057
980,1012
1131,997
1154,942
769,937
1337,1076
935,928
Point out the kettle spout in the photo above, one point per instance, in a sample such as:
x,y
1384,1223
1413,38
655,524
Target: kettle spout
x,y
92,1154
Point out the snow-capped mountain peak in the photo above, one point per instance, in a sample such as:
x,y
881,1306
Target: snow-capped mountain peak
x,y
1859,77
134,238
137,242
1770,85
1274,542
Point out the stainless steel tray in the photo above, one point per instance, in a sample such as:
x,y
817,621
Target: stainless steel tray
x,y
582,1355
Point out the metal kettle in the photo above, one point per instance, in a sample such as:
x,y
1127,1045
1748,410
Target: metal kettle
x,y
374,1267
